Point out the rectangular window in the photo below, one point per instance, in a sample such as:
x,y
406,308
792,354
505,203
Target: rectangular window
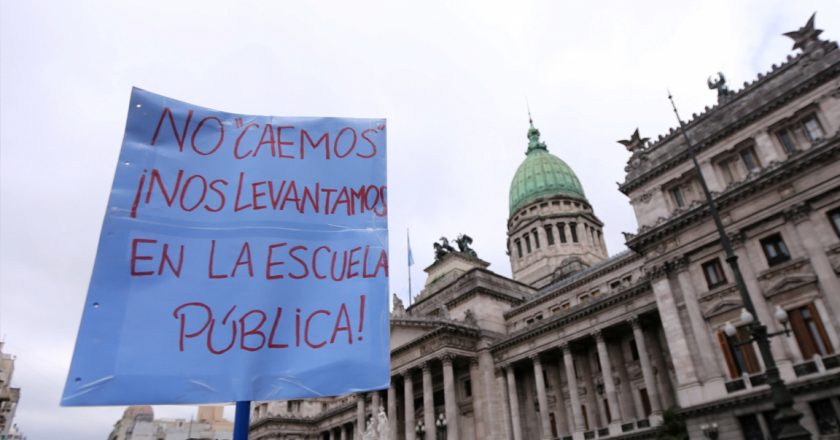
x,y
775,249
643,395
615,285
677,195
527,243
834,218
536,238
739,359
573,230
634,351
812,129
549,234
565,305
786,138
714,273
518,248
750,427
749,159
468,388
730,170
809,332
562,228
826,416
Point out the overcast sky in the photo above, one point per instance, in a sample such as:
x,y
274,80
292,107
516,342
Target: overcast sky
x,y
451,78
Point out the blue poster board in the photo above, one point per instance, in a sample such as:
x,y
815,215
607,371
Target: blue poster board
x,y
241,258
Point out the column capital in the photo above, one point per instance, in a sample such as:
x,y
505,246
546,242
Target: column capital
x,y
634,322
535,358
564,346
798,213
474,361
598,335
446,358
426,367
737,238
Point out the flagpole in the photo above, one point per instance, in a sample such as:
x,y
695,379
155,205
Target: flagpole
x,y
409,261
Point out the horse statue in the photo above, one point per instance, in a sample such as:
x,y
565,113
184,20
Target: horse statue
x,y
464,241
442,248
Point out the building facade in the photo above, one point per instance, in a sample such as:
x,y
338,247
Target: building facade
x,y
139,423
9,396
579,345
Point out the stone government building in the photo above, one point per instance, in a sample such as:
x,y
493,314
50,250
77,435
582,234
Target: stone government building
x,y
580,345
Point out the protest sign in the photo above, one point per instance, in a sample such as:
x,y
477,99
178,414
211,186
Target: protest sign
x,y
241,258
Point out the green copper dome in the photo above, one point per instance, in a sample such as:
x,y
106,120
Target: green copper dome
x,y
542,174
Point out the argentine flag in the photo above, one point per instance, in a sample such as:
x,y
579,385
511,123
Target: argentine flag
x,y
410,256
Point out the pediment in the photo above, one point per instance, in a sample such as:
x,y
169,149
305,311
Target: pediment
x,y
404,331
789,283
722,306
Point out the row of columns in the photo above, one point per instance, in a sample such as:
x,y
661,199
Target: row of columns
x,y
450,400
616,411
360,423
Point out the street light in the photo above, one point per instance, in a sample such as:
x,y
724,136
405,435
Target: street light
x,y
787,418
710,431
441,426
421,430
747,318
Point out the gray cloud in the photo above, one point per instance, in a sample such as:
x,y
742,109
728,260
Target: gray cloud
x,y
452,80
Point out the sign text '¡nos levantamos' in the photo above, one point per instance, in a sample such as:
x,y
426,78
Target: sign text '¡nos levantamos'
x,y
191,192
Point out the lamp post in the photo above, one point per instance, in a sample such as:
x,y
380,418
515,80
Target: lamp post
x,y
420,430
710,431
786,418
441,426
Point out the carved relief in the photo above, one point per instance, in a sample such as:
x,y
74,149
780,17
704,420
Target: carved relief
x,y
787,276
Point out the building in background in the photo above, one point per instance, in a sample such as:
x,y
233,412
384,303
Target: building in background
x,y
9,396
139,423
579,345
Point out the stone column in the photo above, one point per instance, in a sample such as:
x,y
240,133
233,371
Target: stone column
x,y
375,404
428,402
360,414
562,408
332,434
392,408
409,406
751,260
810,238
574,399
542,399
451,404
713,375
625,400
690,390
606,372
343,432
647,371
479,402
503,387
515,417
493,397
597,416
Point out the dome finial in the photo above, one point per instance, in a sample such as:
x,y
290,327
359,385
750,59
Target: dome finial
x,y
533,135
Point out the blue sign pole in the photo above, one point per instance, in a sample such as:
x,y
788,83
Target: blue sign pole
x,y
241,420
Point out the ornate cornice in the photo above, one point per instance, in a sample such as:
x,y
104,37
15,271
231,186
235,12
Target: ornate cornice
x,y
816,156
762,395
572,283
574,314
736,121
